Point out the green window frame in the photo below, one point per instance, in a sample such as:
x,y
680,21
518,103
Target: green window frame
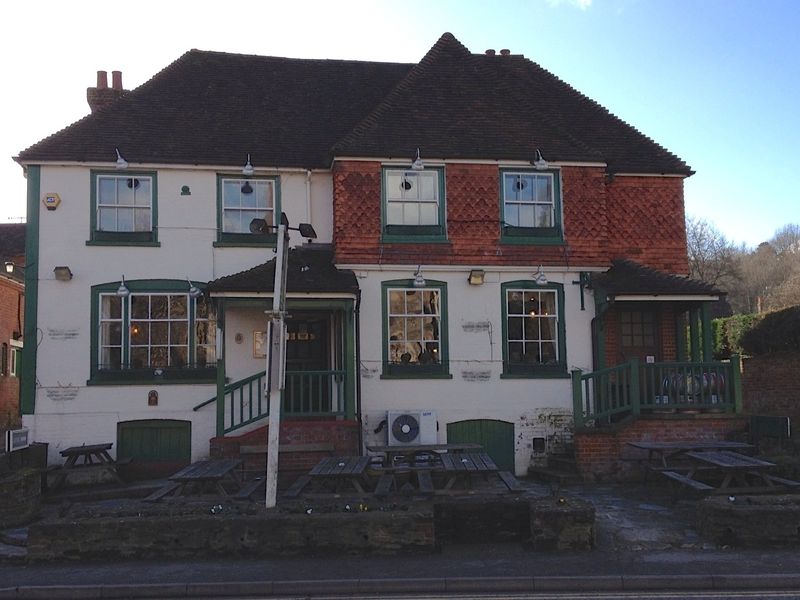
x,y
158,333
530,205
415,339
124,208
534,330
239,201
413,205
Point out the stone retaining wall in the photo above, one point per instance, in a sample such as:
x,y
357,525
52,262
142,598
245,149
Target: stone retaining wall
x,y
20,494
545,523
751,521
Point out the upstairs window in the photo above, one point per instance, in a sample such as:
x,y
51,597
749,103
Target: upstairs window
x,y
415,331
413,204
124,208
531,206
242,200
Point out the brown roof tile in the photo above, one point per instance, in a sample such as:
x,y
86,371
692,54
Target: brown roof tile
x,y
311,269
627,277
214,108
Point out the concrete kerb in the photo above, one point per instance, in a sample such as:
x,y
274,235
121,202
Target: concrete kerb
x,y
313,588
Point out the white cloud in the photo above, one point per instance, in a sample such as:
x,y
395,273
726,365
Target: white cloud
x,y
582,4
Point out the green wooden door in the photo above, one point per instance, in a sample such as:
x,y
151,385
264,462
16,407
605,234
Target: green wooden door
x,y
157,447
496,437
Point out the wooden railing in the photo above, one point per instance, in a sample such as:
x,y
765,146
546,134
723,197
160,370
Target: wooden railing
x,y
633,388
306,394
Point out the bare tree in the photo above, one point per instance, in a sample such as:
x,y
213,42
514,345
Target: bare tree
x,y
712,258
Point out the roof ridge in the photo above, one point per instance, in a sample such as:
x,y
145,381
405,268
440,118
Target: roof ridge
x,y
447,42
602,109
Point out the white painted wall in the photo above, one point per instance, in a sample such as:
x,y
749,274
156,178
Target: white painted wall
x,y
68,411
536,407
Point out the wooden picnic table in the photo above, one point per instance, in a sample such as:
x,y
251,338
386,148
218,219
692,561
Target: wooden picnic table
x,y
337,470
728,472
419,453
461,467
84,456
663,456
202,476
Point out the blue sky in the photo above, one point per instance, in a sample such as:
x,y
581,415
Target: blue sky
x,y
717,82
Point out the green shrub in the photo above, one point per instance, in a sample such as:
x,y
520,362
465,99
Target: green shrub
x,y
775,332
728,332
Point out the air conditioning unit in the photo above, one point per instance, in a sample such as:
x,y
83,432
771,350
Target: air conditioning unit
x,y
17,439
411,427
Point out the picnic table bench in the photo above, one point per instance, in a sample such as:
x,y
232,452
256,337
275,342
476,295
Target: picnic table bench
x,y
202,476
667,456
94,456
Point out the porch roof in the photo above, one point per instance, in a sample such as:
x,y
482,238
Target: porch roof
x,y
310,269
628,280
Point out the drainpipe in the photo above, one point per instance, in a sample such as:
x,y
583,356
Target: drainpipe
x,y
308,196
358,373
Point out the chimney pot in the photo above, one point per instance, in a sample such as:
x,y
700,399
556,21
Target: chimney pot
x,y
102,80
505,52
490,52
116,80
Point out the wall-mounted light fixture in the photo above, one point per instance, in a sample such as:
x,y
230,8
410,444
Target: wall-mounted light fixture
x,y
539,277
418,165
194,291
9,267
539,162
248,167
419,280
122,290
121,162
476,277
62,273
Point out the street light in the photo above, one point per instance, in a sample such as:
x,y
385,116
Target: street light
x,y
276,336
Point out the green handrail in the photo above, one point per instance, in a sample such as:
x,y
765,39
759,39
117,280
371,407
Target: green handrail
x,y
632,388
306,394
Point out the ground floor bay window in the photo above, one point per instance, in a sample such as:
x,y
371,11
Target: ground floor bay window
x,y
157,330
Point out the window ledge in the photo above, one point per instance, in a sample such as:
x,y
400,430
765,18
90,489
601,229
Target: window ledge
x,y
416,376
536,375
413,239
150,244
532,241
184,377
259,244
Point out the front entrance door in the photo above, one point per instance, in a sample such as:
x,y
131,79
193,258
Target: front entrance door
x,y
638,329
309,383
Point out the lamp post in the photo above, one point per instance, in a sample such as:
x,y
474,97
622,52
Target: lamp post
x,y
276,348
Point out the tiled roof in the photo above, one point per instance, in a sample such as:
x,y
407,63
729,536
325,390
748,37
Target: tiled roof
x,y
311,269
630,278
12,240
214,108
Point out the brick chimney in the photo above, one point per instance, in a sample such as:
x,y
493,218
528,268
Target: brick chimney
x,y
102,96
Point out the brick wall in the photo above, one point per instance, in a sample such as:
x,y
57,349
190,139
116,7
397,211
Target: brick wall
x,y
640,218
603,455
667,315
11,315
771,385
646,222
342,434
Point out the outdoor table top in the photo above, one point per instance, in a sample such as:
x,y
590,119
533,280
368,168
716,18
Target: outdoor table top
x,y
468,462
206,470
86,450
417,449
691,445
730,460
340,466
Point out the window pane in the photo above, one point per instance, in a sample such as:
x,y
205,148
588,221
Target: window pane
x,y
548,328
110,307
140,306
413,329
394,187
526,215
397,328
125,192
107,219
515,353
410,213
549,354
231,193
177,306
428,184
394,213
159,333
515,303
413,302
139,357
512,215
106,191
124,220
142,219
111,358
428,214
179,333
142,193
178,356
544,189
397,303
548,300
159,357
544,216
515,328
140,333
111,334
159,307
